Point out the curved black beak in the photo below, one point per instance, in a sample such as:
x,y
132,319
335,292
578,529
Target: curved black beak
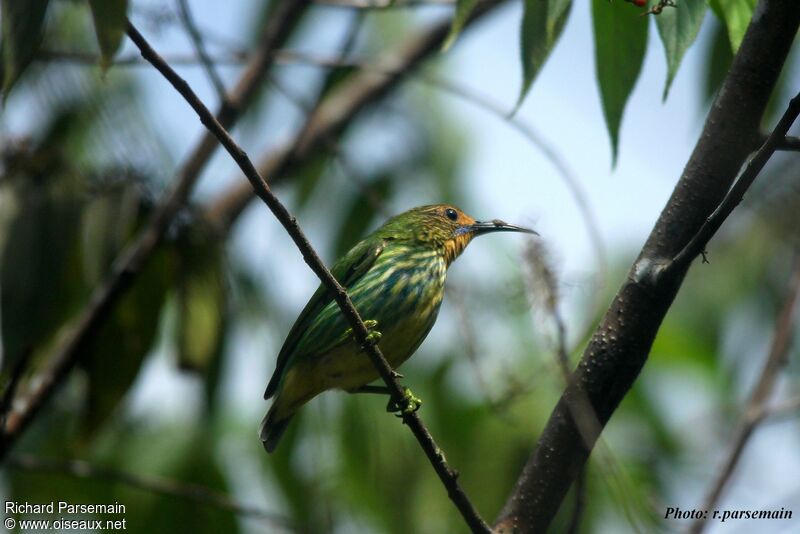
x,y
496,225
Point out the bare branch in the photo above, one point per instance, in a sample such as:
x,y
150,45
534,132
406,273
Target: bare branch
x,y
200,49
698,243
360,332
339,109
617,351
788,143
789,407
130,261
152,484
755,410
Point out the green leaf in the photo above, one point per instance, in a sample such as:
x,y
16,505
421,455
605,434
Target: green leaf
x,y
678,27
201,305
110,18
116,353
39,267
109,219
22,36
736,15
620,37
463,10
542,23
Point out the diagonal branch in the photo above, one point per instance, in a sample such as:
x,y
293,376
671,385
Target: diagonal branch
x,y
698,243
152,484
200,48
756,409
338,110
618,350
130,261
447,475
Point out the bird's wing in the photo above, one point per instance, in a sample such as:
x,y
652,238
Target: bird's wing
x,y
347,270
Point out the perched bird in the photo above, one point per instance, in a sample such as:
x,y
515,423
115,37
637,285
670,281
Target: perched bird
x,y
395,278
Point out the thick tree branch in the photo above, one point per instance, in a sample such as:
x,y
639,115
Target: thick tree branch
x,y
621,343
152,484
360,331
129,263
756,409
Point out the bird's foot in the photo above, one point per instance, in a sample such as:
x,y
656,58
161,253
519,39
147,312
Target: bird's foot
x,y
410,404
374,336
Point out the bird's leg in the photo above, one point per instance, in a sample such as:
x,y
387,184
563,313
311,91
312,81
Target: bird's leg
x,y
374,336
409,404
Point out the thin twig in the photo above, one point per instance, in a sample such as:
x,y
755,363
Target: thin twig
x,y
200,49
339,109
789,407
434,453
788,143
153,484
130,261
345,166
736,193
755,410
7,401
579,507
329,141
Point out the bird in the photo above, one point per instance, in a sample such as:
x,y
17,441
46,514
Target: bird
x,y
395,278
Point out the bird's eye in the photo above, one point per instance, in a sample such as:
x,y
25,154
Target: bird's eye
x,y
451,214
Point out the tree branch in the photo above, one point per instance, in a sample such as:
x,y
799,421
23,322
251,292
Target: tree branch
x,y
360,332
756,409
619,348
152,484
338,111
130,261
200,49
698,243
788,143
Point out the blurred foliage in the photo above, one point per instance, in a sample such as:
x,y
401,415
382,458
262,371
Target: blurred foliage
x,y
159,389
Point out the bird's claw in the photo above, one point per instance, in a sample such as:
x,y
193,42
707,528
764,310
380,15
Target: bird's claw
x,y
410,404
374,336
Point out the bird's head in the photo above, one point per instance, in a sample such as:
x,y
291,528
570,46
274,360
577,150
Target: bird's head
x,y
444,227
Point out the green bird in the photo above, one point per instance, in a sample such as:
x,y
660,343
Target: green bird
x,y
395,278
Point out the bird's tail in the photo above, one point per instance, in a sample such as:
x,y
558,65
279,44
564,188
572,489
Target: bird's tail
x,y
272,428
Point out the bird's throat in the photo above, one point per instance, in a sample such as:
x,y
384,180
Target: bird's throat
x,y
455,246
